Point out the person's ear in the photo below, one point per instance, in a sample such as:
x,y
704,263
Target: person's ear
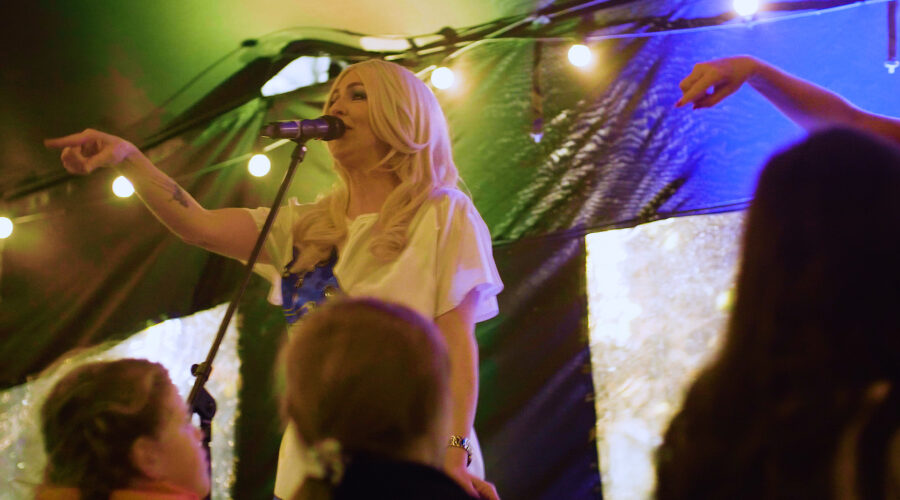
x,y
145,457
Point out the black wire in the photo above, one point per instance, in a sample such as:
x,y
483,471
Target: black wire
x,y
205,71
892,31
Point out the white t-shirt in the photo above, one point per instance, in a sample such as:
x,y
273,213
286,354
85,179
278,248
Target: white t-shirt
x,y
448,255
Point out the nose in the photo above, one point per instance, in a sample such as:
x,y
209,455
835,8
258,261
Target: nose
x,y
337,108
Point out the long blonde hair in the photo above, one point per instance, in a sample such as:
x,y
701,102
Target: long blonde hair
x,y
405,114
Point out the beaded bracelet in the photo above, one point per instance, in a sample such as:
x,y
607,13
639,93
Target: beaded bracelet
x,y
461,442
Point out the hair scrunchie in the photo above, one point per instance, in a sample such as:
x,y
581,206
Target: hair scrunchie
x,y
324,461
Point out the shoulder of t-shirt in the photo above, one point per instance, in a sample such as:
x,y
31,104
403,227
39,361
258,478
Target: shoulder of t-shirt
x,y
291,205
450,202
294,209
295,204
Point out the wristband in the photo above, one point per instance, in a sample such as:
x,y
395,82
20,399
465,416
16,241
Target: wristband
x,y
461,442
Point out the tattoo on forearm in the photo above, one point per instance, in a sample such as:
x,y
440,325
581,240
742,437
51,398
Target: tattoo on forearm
x,y
179,196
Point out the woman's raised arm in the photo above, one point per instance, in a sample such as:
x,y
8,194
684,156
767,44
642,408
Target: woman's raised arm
x,y
807,104
227,231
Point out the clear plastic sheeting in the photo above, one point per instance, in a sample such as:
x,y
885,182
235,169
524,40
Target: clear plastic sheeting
x,y
176,344
659,296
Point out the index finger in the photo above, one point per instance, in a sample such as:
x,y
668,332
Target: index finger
x,y
698,89
689,80
69,140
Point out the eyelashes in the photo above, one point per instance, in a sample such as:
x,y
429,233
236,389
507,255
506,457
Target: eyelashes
x,y
354,95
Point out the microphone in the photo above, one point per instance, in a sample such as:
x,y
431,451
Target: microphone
x,y
324,128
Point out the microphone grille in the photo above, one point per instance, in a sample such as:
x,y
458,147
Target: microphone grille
x,y
336,127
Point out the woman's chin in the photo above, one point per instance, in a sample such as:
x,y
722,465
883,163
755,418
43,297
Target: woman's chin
x,y
340,151
347,156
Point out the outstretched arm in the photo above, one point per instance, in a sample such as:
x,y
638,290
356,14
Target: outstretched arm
x,y
229,231
807,104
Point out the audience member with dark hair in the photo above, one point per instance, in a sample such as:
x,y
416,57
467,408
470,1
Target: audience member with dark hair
x,y
803,401
368,390
119,430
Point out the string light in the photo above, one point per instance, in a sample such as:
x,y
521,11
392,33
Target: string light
x,y
580,55
443,78
259,165
6,227
122,187
746,8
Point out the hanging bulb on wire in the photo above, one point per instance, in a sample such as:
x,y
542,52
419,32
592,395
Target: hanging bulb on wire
x,y
443,78
122,187
259,165
580,55
746,8
6,227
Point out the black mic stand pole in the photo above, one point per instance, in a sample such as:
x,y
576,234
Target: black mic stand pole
x,y
199,400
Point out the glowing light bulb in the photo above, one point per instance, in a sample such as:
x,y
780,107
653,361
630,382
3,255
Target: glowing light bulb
x,y
442,78
746,8
259,165
122,187
6,227
580,55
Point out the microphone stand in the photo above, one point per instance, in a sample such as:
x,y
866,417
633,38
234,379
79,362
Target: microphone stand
x,y
199,400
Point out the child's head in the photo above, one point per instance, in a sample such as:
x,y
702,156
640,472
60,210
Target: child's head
x,y
372,376
120,424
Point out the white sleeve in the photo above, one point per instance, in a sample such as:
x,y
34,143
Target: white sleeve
x,y
465,259
278,246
